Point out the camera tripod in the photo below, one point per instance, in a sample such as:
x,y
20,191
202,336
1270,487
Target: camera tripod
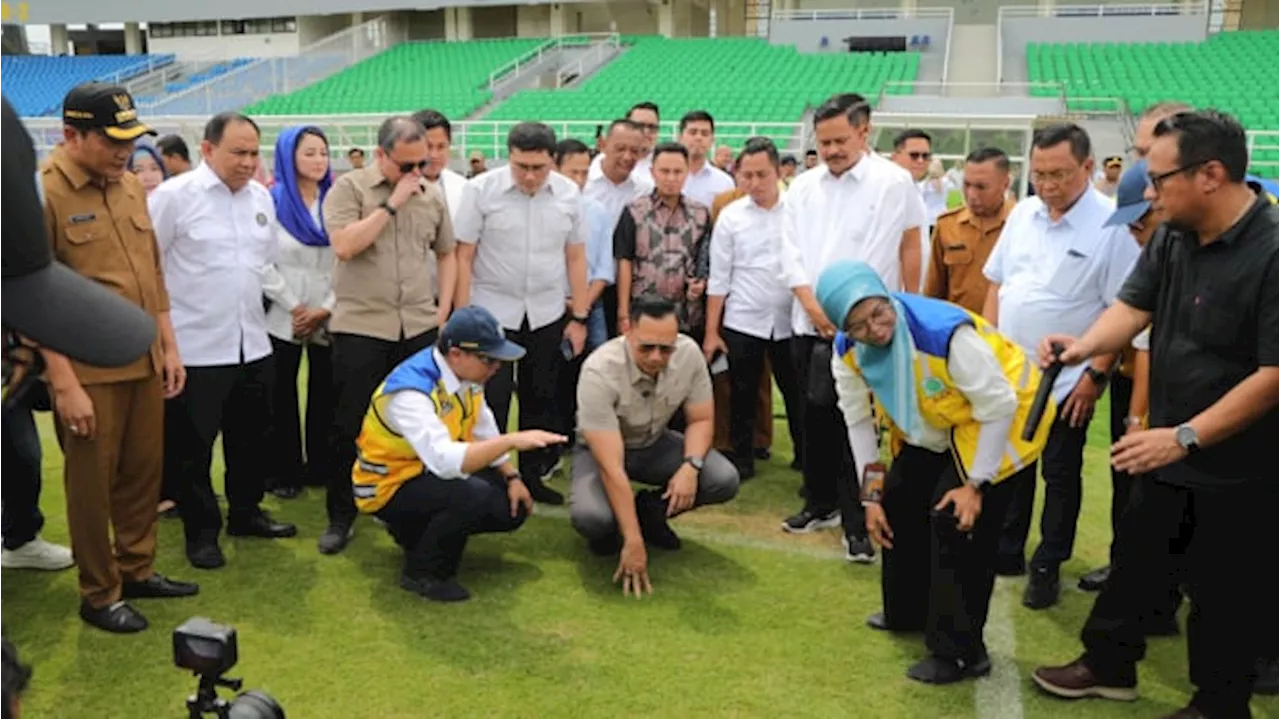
x,y
206,699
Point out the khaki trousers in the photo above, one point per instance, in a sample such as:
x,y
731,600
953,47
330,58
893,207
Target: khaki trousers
x,y
113,483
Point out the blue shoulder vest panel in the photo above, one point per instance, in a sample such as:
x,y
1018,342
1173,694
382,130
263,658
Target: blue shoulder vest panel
x,y
419,372
932,322
843,344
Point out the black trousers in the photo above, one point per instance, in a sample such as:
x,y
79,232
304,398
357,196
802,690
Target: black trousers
x,y
20,456
537,378
828,462
746,362
1061,465
236,400
432,518
936,578
1121,481
1167,530
293,467
360,364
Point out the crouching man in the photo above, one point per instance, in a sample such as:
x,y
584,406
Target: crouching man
x,y
431,462
630,388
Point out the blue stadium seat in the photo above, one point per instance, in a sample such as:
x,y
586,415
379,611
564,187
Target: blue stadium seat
x,y
36,84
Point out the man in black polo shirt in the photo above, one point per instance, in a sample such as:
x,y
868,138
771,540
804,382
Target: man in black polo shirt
x,y
1207,282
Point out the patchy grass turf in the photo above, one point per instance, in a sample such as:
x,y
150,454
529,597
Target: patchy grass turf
x,y
744,622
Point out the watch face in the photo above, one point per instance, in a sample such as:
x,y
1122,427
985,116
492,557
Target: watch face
x,y
1186,436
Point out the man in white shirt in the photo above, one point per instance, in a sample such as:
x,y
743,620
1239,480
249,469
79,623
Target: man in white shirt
x,y
747,297
432,463
913,152
616,185
705,180
521,231
450,183
857,206
1054,270
215,227
644,118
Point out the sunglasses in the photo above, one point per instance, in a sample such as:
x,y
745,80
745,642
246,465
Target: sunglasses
x,y
920,155
663,349
647,126
407,167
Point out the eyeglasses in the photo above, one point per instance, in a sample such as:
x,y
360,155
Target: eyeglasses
x,y
647,126
1157,180
407,167
1057,177
917,156
860,328
663,349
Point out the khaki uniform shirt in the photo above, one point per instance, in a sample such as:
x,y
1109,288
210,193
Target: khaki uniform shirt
x,y
960,247
101,230
614,395
722,201
387,291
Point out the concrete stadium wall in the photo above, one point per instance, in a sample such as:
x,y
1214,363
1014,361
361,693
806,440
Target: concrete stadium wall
x,y
807,35
226,47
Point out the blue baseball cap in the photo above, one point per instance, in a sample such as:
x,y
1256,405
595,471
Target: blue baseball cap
x,y
475,329
1131,203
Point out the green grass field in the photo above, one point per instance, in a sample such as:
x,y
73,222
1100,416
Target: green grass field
x,y
744,622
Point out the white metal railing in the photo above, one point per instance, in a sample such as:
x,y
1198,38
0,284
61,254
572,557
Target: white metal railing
x,y
596,54
886,13
267,76
512,67
946,49
1200,7
1264,141
966,89
153,61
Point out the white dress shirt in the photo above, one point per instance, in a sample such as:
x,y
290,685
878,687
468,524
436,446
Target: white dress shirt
x,y
520,266
1058,277
301,275
642,172
616,197
977,374
860,215
451,184
215,244
413,416
704,185
745,267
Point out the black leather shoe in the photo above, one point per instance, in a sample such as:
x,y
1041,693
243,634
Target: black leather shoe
x,y
205,555
937,670
1042,589
118,618
437,590
1096,580
651,512
541,493
260,525
762,453
159,587
335,537
286,491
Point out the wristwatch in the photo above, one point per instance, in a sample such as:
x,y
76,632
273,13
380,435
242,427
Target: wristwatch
x,y
1132,421
386,205
1098,376
511,477
695,462
580,320
982,486
1187,438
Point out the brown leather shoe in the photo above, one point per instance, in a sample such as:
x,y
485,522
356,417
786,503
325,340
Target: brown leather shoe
x,y
1076,681
1187,712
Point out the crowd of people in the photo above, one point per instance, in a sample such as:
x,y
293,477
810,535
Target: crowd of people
x,y
642,301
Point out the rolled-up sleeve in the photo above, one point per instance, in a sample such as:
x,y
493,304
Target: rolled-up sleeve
x,y
413,416
342,205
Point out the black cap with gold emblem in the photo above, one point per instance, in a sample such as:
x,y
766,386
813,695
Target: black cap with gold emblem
x,y
109,108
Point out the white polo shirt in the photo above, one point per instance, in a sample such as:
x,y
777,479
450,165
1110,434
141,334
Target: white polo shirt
x,y
215,244
860,215
745,267
1058,277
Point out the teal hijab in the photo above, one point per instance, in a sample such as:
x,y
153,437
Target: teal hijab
x,y
888,370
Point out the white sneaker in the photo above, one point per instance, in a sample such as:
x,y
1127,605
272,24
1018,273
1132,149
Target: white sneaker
x,y
37,554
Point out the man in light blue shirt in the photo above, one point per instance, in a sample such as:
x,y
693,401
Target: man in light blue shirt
x,y
1056,268
573,160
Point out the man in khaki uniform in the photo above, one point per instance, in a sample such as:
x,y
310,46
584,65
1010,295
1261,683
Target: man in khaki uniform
x,y
630,388
110,421
384,220
964,237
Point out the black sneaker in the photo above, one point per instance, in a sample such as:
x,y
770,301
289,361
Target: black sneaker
x,y
335,537
939,670
437,590
858,550
1042,589
1095,581
808,520
651,511
541,493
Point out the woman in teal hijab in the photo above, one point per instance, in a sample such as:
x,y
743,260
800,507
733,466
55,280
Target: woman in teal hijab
x,y
939,376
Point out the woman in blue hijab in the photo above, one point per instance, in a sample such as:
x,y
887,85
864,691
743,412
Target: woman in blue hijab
x,y
146,164
298,289
954,395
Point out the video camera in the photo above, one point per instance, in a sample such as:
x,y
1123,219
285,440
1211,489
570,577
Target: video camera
x,y
209,650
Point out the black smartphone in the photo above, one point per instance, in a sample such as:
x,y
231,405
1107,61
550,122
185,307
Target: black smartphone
x,y
566,349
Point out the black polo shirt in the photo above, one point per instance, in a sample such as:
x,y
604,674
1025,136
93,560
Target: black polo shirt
x,y
1213,324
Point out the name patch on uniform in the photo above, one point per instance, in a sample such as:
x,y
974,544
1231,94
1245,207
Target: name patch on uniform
x,y
81,219
262,219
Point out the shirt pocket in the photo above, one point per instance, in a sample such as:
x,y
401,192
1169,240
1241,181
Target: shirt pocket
x,y
1214,322
1070,276
955,255
87,233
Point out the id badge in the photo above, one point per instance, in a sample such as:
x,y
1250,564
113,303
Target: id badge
x,y
873,482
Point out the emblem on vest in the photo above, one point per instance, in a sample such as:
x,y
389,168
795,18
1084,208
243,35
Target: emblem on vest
x,y
933,387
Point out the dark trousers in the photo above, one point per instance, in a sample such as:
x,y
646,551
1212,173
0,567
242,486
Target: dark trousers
x,y
536,377
236,400
936,578
360,364
293,467
1121,481
432,518
1061,465
747,356
1167,530
567,398
20,457
828,462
